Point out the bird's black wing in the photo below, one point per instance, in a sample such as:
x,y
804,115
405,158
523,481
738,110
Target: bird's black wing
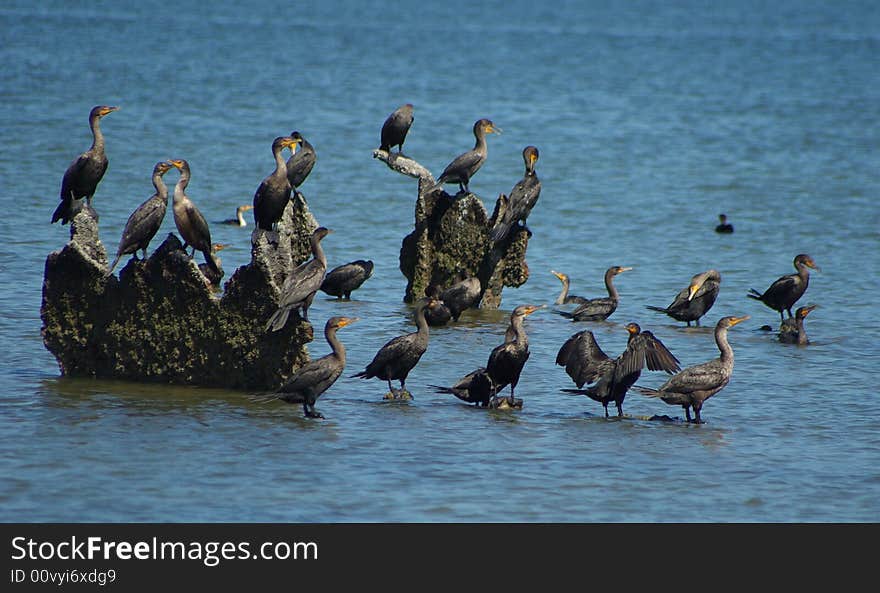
x,y
583,359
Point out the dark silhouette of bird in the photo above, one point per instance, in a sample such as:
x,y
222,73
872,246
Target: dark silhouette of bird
x,y
786,290
792,330
396,127
522,198
273,193
695,299
465,165
723,225
342,280
190,223
601,308
302,283
564,297
506,361
301,162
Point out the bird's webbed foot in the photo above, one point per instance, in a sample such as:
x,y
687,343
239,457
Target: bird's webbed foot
x,y
314,414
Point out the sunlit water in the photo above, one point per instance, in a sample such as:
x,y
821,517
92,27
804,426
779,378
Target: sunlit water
x,y
651,119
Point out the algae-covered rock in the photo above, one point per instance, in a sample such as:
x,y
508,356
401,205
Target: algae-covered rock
x,y
160,320
451,240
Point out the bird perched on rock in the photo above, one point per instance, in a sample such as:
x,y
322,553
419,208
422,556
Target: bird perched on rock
x,y
83,175
342,280
694,300
786,290
522,198
272,195
506,361
691,387
396,127
302,283
189,220
585,362
301,162
465,165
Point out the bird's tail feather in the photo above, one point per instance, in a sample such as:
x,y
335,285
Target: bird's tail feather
x,y
278,319
565,314
264,398
212,263
754,294
115,261
653,308
500,231
646,391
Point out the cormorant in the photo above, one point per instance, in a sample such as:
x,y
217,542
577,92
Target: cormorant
x,y
399,356
585,362
144,222
315,377
522,197
85,172
785,291
302,283
506,361
600,308
691,387
301,162
212,277
694,300
272,196
239,219
342,280
474,388
792,330
437,313
564,298
396,127
190,223
462,295
465,165
723,226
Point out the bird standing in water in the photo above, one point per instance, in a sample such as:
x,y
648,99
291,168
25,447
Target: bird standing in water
x,y
694,300
786,290
723,225
239,219
189,220
465,165
506,361
315,377
601,308
395,128
564,298
792,330
144,222
83,175
691,387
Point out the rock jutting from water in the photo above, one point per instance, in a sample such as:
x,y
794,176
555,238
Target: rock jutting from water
x,y
451,240
160,320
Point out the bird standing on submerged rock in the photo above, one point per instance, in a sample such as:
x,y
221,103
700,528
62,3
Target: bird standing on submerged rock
x,y
522,198
585,362
462,295
506,361
342,280
272,195
694,385
399,356
723,225
315,377
785,291
239,219
474,388
83,175
189,221
695,299
396,127
301,162
599,309
144,222
564,298
465,165
792,330
302,283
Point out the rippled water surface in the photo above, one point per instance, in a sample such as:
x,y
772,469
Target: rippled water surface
x,y
651,119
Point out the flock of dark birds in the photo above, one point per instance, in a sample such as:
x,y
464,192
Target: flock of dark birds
x,y
595,374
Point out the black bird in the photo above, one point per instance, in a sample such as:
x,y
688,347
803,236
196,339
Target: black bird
x,y
396,127
85,172
462,295
239,219
213,279
506,361
342,280
564,298
691,387
272,195
694,300
144,222
522,197
792,330
189,221
474,388
600,308
785,291
585,362
723,226
465,165
301,162
302,283
436,313
399,356
315,377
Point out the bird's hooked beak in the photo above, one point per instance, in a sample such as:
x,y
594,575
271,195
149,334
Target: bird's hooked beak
x,y
738,320
624,269
493,129
219,246
811,264
532,308
107,110
176,163
693,289
347,321
632,328
558,275
808,309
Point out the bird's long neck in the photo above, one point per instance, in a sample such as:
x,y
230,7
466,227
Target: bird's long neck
x,y
335,344
801,331
481,146
161,188
520,337
803,272
609,284
239,213
723,345
318,252
180,188
97,135
280,164
564,294
422,323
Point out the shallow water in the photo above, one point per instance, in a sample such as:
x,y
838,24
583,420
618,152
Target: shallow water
x,y
650,120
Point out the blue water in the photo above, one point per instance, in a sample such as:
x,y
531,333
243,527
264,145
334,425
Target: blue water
x,y
651,119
